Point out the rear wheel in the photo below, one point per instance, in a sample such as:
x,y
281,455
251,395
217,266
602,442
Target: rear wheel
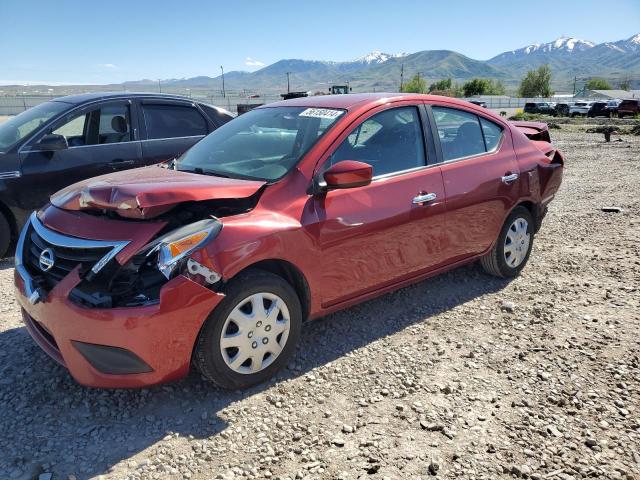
x,y
5,235
513,247
252,333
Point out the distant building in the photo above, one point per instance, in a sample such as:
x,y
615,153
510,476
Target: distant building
x,y
608,94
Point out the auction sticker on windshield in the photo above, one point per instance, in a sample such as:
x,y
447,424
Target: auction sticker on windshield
x,y
321,113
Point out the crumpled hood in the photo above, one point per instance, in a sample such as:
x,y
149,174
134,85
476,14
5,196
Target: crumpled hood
x,y
149,191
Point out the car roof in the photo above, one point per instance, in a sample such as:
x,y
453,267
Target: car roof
x,y
351,101
94,96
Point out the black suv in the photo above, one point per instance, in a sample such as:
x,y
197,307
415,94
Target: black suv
x,y
599,109
539,107
63,141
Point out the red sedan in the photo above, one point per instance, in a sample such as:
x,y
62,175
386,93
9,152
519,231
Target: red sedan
x,y
287,213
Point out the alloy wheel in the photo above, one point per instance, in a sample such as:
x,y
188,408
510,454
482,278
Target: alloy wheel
x,y
255,332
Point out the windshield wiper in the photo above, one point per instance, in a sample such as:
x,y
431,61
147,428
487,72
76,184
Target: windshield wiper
x,y
202,171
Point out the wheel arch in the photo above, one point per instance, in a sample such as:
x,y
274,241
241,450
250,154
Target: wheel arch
x,y
534,210
13,224
289,272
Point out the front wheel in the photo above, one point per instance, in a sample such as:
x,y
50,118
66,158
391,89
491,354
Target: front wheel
x,y
513,246
252,333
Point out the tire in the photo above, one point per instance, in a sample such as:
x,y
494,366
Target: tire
x,y
502,265
5,235
216,363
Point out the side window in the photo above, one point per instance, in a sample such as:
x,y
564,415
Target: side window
x,y
114,124
108,124
459,132
169,121
74,130
390,141
492,134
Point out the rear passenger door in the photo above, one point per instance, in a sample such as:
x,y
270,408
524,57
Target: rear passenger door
x,y
481,178
169,128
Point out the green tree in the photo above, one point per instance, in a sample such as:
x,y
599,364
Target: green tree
x,y
536,83
415,85
482,86
597,84
441,85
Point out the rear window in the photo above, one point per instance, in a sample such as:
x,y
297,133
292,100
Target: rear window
x,y
629,103
463,134
219,117
170,121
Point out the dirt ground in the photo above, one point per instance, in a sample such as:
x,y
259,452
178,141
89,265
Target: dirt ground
x,y
461,376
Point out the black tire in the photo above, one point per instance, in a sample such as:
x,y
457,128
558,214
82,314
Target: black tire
x,y
207,354
5,235
494,262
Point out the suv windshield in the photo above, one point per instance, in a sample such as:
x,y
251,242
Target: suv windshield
x,y
263,144
21,126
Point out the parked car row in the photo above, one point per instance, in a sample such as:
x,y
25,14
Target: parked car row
x,y
62,141
289,212
608,108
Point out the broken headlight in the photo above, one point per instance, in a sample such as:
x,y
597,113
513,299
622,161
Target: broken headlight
x,y
178,244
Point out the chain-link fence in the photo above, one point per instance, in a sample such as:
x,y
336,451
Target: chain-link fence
x,y
12,105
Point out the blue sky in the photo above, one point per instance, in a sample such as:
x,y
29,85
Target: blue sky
x,y
85,41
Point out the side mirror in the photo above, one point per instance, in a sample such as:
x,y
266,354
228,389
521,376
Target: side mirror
x,y
52,142
348,174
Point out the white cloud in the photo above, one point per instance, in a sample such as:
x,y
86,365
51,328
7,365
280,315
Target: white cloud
x,y
108,66
250,62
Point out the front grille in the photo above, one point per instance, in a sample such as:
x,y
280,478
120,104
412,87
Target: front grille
x,y
65,258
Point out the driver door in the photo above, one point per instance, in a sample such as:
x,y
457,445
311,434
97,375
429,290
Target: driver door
x,y
377,235
101,139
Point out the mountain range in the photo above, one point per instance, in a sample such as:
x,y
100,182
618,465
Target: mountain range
x,y
567,56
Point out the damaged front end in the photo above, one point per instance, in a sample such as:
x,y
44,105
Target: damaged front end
x,y
128,236
139,281
113,274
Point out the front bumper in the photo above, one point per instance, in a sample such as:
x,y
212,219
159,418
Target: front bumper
x,y
161,336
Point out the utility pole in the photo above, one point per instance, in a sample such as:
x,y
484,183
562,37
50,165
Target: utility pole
x,y
401,76
288,85
224,93
159,86
574,85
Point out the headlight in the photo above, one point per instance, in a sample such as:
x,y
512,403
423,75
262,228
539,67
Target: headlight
x,y
177,244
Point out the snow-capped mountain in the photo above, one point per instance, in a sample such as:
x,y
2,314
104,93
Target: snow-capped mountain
x,y
631,44
567,56
560,45
377,57
570,56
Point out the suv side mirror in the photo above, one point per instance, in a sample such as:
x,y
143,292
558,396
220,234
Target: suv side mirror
x,y
348,174
52,142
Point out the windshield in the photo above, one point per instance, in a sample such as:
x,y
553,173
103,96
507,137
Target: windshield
x,y
263,144
20,126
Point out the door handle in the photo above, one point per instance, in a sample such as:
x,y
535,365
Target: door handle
x,y
510,178
121,163
424,198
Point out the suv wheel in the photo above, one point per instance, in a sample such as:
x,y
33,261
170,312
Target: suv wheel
x,y
513,247
252,333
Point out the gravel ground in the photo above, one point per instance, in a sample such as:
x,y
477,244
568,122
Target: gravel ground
x,y
460,376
